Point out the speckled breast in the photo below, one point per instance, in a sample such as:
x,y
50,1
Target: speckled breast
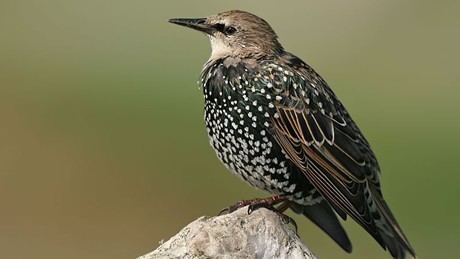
x,y
237,116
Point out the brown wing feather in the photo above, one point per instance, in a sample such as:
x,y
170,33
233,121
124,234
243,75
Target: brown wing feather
x,y
321,139
325,172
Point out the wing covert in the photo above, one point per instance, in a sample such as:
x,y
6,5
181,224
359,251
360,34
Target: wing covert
x,y
316,132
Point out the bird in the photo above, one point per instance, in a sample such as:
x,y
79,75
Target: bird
x,y
276,123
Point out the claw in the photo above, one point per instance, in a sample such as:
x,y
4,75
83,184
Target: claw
x,y
234,207
267,203
285,219
288,220
224,211
256,206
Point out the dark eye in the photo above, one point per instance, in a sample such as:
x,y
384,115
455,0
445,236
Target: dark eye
x,y
220,27
229,30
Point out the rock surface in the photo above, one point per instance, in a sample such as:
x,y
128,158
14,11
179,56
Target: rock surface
x,y
262,234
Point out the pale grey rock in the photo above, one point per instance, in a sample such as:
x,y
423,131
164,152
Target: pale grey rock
x,y
262,234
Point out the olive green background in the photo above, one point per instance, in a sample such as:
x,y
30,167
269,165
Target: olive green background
x,y
103,151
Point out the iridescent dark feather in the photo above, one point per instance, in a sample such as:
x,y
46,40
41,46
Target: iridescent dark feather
x,y
320,137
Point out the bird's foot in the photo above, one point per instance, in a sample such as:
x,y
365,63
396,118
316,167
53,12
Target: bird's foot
x,y
268,203
254,204
278,210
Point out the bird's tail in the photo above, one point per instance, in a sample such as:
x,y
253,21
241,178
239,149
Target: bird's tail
x,y
324,217
391,234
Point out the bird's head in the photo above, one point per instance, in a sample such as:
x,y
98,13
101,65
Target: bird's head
x,y
235,34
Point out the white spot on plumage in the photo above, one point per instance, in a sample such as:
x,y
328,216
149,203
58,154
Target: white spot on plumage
x,y
247,151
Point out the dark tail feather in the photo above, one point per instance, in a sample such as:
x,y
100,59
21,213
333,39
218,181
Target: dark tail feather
x,y
394,246
324,217
394,239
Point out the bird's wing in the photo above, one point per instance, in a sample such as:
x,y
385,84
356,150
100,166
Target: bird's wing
x,y
321,139
321,142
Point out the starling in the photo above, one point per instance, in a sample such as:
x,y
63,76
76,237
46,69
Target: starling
x,y
276,123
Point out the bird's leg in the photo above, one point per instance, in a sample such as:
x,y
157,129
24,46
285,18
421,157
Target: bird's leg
x,y
278,210
254,204
283,206
286,219
268,203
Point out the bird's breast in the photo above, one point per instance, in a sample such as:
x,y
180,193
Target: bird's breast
x,y
238,120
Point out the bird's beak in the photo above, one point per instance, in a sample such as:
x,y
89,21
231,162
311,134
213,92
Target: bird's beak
x,y
198,24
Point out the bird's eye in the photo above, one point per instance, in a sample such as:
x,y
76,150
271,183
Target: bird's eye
x,y
229,30
220,27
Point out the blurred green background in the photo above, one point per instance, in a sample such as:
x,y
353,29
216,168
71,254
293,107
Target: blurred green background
x,y
103,151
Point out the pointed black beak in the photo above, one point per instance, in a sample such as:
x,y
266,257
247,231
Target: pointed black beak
x,y
198,24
